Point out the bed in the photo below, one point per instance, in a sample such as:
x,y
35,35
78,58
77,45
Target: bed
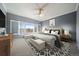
x,y
50,38
47,38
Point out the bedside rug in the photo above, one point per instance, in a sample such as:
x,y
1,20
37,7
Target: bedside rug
x,y
65,50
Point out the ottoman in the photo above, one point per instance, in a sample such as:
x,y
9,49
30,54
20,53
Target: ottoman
x,y
38,44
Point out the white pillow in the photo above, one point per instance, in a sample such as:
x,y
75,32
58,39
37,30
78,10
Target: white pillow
x,y
56,32
46,31
52,32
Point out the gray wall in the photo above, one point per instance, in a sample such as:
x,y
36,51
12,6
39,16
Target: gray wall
x,y
17,18
77,29
67,21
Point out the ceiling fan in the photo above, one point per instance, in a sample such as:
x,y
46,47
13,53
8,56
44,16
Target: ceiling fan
x,y
40,9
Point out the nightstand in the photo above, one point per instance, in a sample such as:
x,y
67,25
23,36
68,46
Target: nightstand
x,y
66,38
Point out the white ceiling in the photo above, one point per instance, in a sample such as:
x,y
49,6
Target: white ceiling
x,y
50,10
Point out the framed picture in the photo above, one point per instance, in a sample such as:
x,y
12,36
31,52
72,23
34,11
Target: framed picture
x,y
52,22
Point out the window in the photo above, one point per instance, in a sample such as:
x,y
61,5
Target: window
x,y
26,28
22,28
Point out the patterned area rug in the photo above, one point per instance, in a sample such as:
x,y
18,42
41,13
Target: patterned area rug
x,y
65,50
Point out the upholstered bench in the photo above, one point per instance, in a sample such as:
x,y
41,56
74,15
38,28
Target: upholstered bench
x,y
38,44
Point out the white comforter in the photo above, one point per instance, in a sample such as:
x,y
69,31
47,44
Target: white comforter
x,y
47,38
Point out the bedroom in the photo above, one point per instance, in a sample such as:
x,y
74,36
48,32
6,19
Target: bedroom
x,y
42,29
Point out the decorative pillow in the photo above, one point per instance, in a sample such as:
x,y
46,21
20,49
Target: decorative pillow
x,y
46,31
56,32
52,32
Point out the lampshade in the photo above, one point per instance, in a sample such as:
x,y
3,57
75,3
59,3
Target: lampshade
x,y
66,32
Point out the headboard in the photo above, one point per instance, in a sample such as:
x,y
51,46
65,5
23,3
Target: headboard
x,y
60,31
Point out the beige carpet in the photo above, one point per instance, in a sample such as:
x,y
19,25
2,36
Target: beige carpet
x,y
21,48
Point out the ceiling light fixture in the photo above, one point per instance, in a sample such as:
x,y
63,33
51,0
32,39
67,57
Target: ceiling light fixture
x,y
40,10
